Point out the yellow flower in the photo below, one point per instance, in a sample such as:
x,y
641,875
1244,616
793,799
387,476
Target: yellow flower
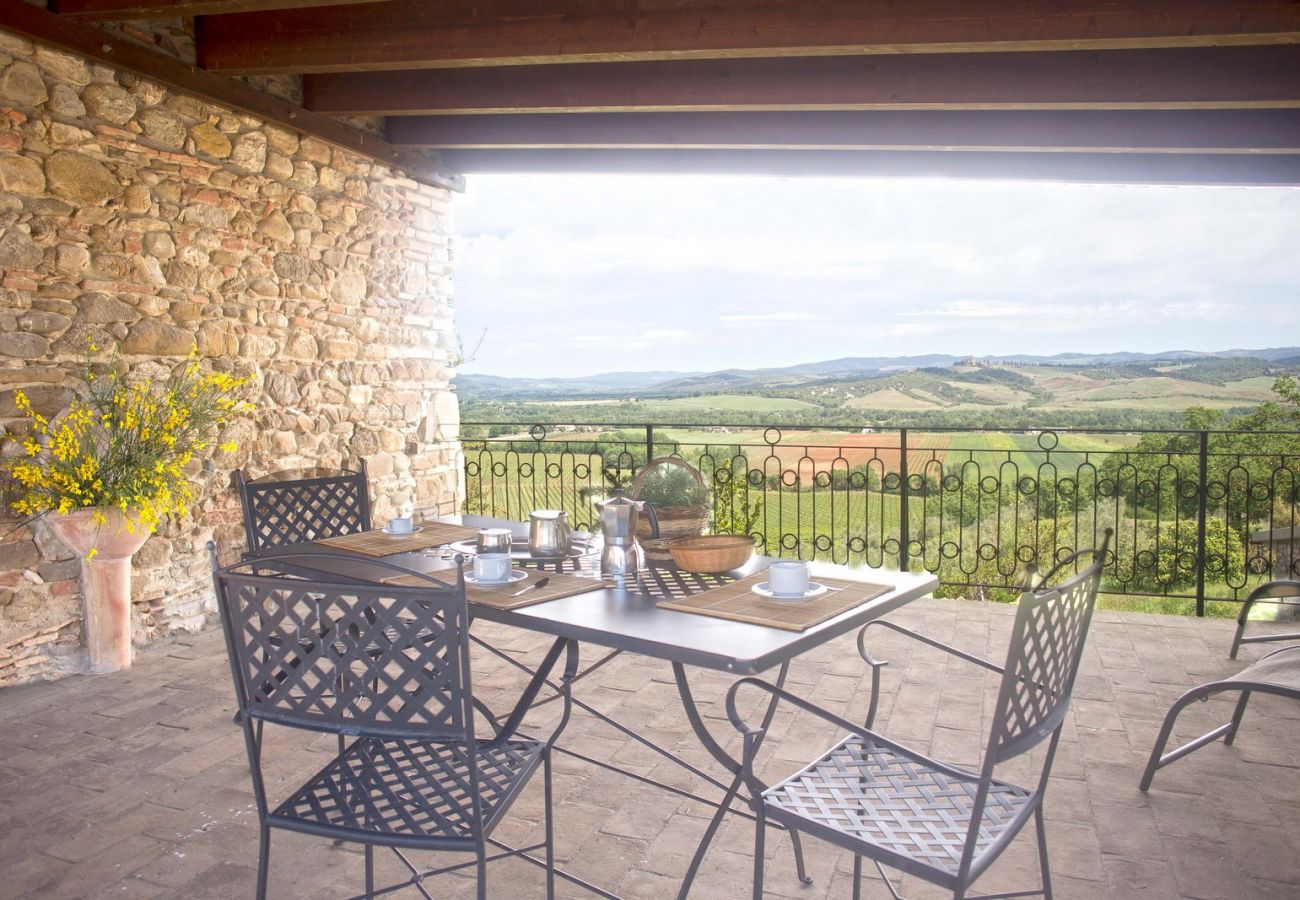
x,y
229,447
94,551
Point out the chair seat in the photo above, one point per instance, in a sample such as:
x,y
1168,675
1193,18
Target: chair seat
x,y
1281,668
413,792
912,809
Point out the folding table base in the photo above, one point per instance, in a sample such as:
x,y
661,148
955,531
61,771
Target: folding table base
x,y
730,790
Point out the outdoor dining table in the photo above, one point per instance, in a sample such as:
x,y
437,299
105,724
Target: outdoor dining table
x,y
631,619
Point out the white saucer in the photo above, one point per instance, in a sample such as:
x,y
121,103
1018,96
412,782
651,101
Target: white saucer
x,y
515,575
415,529
814,590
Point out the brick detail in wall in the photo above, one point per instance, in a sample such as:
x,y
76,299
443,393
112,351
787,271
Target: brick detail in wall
x,y
135,216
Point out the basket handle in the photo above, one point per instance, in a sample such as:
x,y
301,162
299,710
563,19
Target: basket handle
x,y
664,461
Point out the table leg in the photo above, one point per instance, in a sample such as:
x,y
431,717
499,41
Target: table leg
x,y
731,764
707,740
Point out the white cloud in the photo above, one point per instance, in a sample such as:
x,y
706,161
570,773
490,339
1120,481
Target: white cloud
x,y
773,317
595,273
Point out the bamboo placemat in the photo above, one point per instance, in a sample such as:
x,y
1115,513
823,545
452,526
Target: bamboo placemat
x,y
507,596
738,603
378,543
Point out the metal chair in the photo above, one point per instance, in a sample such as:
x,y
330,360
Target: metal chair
x,y
1274,590
1276,673
387,669
320,503
901,809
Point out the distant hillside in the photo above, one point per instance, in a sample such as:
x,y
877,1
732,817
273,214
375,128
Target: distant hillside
x,y
1214,383
947,382
493,386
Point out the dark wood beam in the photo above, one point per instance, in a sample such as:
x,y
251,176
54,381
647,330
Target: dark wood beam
x,y
92,10
48,28
1097,168
1113,132
1243,77
454,33
1109,131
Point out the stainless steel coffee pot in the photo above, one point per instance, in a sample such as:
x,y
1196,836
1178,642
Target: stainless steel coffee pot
x,y
622,555
549,534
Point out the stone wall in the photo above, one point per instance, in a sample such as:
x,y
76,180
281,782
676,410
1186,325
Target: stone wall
x,y
134,216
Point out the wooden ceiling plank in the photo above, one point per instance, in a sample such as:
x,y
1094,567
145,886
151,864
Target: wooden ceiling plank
x,y
1224,77
48,28
408,34
117,10
1162,131
1107,168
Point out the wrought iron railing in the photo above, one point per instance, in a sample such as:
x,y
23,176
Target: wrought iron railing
x,y
1201,516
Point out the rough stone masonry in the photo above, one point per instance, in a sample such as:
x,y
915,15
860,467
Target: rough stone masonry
x,y
135,216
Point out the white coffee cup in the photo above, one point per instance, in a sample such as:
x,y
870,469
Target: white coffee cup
x,y
400,525
492,567
788,578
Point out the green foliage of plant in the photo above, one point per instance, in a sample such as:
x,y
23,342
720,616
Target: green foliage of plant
x,y
1174,564
737,508
672,485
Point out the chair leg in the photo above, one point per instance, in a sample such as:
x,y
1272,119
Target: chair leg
x,y
1227,730
857,877
800,869
1042,852
1236,718
482,874
263,861
550,828
760,829
370,871
1162,739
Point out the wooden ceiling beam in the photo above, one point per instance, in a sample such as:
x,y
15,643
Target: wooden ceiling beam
x,y
45,27
1125,131
1095,168
410,34
100,10
1226,77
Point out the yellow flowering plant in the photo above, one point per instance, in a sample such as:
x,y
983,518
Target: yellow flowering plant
x,y
124,444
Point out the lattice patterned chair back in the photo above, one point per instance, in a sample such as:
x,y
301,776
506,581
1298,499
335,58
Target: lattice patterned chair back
x,y
279,511
368,660
1043,659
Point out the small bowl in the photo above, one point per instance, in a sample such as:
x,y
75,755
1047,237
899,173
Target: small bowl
x,y
712,553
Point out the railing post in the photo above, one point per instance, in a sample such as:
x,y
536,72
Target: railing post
x,y
1202,495
904,538
649,443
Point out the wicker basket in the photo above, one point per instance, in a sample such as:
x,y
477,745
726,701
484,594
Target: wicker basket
x,y
674,521
712,553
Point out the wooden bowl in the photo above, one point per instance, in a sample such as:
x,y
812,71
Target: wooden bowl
x,y
712,553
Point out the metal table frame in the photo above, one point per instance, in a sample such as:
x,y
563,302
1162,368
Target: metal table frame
x,y
629,620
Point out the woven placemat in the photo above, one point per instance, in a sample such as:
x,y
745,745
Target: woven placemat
x,y
377,543
738,603
508,596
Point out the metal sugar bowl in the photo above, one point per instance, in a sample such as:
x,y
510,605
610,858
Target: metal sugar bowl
x,y
622,555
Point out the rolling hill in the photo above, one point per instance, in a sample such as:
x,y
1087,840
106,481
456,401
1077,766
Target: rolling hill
x,y
1168,381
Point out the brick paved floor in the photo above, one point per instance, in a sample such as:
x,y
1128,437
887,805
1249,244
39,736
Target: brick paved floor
x,y
135,785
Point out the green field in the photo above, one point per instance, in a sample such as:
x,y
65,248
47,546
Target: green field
x,y
725,403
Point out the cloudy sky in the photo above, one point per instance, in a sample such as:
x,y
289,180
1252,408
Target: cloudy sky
x,y
573,275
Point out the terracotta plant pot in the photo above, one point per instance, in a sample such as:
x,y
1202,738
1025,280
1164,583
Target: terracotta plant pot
x,y
105,580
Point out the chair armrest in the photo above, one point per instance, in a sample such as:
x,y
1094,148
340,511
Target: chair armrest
x,y
1268,591
524,703
808,706
961,654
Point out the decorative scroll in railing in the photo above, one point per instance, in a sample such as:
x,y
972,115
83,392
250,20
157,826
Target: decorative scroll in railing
x,y
1198,515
